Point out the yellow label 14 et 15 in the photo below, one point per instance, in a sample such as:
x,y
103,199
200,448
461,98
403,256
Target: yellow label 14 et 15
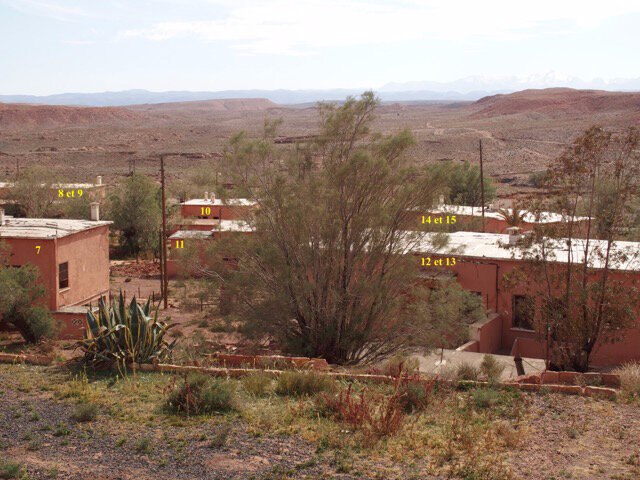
x,y
439,219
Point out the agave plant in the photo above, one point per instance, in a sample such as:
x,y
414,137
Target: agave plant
x,y
124,333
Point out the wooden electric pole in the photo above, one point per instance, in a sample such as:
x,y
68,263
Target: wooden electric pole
x,y
481,185
164,236
161,261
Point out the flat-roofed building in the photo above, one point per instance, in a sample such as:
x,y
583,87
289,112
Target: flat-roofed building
x,y
199,239
72,257
479,261
214,208
467,218
94,191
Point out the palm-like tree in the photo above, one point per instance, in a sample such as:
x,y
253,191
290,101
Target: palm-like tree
x,y
513,216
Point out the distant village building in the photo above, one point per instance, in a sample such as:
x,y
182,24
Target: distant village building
x,y
468,218
478,262
214,208
94,191
206,219
199,237
72,257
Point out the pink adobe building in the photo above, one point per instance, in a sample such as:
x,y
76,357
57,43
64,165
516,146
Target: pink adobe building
x,y
214,208
206,230
481,261
72,257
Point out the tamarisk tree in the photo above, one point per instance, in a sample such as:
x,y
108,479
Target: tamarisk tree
x,y
328,270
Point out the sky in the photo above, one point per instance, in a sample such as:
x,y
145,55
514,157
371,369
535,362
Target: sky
x,y
55,46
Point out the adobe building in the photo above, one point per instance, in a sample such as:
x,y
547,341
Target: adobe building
x,y
479,264
469,219
199,237
214,208
72,257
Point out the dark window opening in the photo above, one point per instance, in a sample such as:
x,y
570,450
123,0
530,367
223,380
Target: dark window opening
x,y
523,312
63,275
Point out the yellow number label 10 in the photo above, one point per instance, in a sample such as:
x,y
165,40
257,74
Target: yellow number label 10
x,y
205,211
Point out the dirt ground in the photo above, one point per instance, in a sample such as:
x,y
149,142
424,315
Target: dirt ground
x,y
539,436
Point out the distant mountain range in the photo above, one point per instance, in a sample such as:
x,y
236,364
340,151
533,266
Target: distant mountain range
x,y
465,89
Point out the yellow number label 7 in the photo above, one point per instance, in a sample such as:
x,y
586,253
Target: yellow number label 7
x,y
37,249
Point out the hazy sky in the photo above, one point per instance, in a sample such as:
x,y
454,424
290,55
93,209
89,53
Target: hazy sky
x,y
53,46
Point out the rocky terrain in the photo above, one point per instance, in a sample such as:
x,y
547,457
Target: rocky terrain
x,y
520,132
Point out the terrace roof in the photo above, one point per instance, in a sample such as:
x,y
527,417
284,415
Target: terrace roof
x,y
45,228
496,246
465,210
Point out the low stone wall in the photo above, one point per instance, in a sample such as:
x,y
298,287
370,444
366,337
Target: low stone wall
x,y
25,358
570,378
232,360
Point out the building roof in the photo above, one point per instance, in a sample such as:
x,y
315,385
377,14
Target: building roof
x,y
218,225
232,226
465,210
60,185
45,228
496,246
233,202
185,222
197,234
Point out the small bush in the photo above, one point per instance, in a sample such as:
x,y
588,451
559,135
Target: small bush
x,y
538,179
85,412
61,430
10,470
177,333
629,378
466,371
401,365
417,394
486,398
257,384
491,368
144,445
200,394
303,383
376,416
221,436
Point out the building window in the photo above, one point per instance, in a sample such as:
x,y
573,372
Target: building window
x,y
523,312
63,275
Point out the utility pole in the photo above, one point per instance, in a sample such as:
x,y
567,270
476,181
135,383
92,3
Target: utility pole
x,y
161,261
164,235
481,185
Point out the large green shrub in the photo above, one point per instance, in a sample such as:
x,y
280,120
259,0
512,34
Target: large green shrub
x,y
21,298
124,333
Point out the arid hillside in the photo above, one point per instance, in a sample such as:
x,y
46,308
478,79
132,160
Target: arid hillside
x,y
228,105
27,117
557,101
520,132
